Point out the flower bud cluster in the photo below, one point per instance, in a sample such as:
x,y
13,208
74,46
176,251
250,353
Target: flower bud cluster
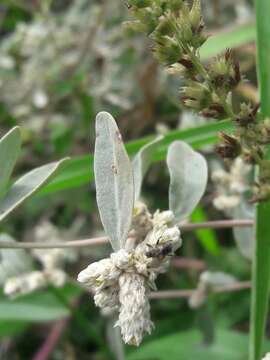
x,y
250,141
123,281
224,73
177,31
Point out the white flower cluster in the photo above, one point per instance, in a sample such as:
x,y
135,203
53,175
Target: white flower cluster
x,y
208,281
34,280
267,357
231,185
51,261
123,281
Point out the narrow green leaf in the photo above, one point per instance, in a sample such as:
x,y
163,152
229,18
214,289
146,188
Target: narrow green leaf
x,y
142,162
188,178
10,146
228,39
261,263
79,171
114,180
27,186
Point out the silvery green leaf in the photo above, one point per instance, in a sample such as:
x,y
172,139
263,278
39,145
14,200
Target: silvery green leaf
x,y
188,178
245,236
10,146
114,180
27,186
142,162
13,262
217,278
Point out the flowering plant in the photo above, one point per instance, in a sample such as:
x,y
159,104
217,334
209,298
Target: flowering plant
x,y
142,242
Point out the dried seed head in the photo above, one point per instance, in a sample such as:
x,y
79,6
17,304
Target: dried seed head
x,y
147,17
187,63
196,95
214,111
229,148
191,25
247,115
167,50
224,72
165,27
197,25
195,14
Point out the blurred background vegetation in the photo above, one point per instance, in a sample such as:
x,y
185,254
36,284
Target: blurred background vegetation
x,y
60,63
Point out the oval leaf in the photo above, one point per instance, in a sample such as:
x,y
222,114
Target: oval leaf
x,y
114,180
27,186
10,146
188,178
141,163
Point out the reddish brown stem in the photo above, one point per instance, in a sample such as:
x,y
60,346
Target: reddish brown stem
x,y
52,340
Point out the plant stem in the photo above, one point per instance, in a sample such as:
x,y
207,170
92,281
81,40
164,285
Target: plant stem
x,y
51,340
176,294
220,224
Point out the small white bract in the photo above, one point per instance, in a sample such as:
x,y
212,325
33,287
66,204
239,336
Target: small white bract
x,y
123,281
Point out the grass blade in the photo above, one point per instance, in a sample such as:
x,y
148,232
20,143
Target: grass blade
x,y
232,38
261,262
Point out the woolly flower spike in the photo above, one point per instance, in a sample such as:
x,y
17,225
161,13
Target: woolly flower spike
x,y
123,281
134,315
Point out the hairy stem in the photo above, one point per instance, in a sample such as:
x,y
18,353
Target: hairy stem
x,y
221,224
